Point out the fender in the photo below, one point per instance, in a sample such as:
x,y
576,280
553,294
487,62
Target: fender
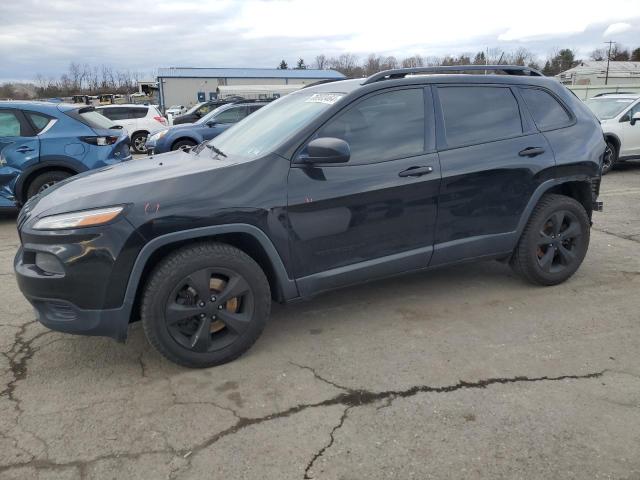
x,y
287,285
543,188
49,161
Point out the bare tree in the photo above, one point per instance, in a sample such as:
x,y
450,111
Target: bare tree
x,y
320,62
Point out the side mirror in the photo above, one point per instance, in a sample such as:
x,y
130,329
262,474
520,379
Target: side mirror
x,y
115,127
326,150
635,118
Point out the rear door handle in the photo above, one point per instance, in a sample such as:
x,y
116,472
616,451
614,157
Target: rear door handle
x,y
415,171
24,149
531,152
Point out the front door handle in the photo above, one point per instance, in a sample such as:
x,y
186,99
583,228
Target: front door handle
x,y
24,149
531,151
415,171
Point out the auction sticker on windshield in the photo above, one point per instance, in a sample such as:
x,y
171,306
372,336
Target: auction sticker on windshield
x,y
328,98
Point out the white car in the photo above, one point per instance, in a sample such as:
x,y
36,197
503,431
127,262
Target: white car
x,y
619,115
138,120
176,110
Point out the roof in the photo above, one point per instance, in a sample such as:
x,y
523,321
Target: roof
x,y
188,72
38,106
599,67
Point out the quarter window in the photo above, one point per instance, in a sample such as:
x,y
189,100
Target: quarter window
x,y
479,114
383,127
545,110
9,125
40,121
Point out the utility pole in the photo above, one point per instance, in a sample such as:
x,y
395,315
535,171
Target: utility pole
x,y
606,77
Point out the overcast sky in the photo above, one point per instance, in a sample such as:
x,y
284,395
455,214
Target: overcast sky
x,y
44,36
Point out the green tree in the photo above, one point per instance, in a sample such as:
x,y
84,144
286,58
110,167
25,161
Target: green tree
x,y
635,55
301,65
283,65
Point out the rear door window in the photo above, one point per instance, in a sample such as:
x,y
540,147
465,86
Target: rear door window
x,y
478,114
9,124
232,115
545,109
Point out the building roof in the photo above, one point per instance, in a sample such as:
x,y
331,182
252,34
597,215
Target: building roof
x,y
188,72
599,67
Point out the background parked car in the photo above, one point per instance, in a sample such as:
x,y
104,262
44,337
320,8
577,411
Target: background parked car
x,y
138,120
43,143
211,125
176,110
619,116
198,111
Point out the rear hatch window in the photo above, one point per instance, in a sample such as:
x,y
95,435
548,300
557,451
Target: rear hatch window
x,y
90,117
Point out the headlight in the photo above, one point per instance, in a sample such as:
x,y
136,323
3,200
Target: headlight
x,y
158,135
85,218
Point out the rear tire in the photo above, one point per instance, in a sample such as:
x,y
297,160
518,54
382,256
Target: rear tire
x,y
45,180
554,242
205,304
183,145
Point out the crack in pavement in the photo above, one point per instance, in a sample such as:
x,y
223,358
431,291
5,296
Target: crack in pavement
x,y
355,398
618,235
319,377
319,454
20,353
349,398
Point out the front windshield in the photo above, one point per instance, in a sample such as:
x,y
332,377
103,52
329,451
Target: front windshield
x,y
212,113
261,132
606,108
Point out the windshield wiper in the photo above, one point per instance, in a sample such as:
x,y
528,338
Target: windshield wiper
x,y
216,150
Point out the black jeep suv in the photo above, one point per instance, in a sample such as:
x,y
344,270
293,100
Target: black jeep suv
x,y
332,185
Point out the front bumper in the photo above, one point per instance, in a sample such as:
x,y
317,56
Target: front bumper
x,y
63,316
76,280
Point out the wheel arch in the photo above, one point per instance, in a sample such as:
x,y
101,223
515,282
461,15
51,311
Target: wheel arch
x,y
248,238
27,176
184,137
579,188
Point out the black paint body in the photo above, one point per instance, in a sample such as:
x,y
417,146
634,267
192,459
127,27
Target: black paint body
x,y
312,227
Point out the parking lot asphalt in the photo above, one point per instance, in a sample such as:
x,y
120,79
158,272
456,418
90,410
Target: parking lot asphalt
x,y
462,372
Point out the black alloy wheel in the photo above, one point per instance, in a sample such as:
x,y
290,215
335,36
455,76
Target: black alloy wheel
x,y
209,309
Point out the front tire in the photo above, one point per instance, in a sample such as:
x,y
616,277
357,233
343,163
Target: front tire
x,y
44,181
554,242
183,145
138,141
205,304
610,157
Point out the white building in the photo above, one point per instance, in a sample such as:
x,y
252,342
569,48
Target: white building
x,y
188,86
594,73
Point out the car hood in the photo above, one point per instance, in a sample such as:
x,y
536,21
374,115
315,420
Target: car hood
x,y
128,182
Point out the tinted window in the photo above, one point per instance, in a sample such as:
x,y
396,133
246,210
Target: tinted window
x,y
546,111
9,125
382,127
479,114
231,115
630,113
138,112
40,121
90,117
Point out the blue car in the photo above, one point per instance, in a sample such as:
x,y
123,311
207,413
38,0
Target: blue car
x,y
44,143
187,135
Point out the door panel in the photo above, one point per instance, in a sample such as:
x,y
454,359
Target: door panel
x,y
345,215
375,214
485,189
630,134
492,158
18,151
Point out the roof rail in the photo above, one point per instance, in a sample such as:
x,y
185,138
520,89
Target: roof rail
x,y
403,72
